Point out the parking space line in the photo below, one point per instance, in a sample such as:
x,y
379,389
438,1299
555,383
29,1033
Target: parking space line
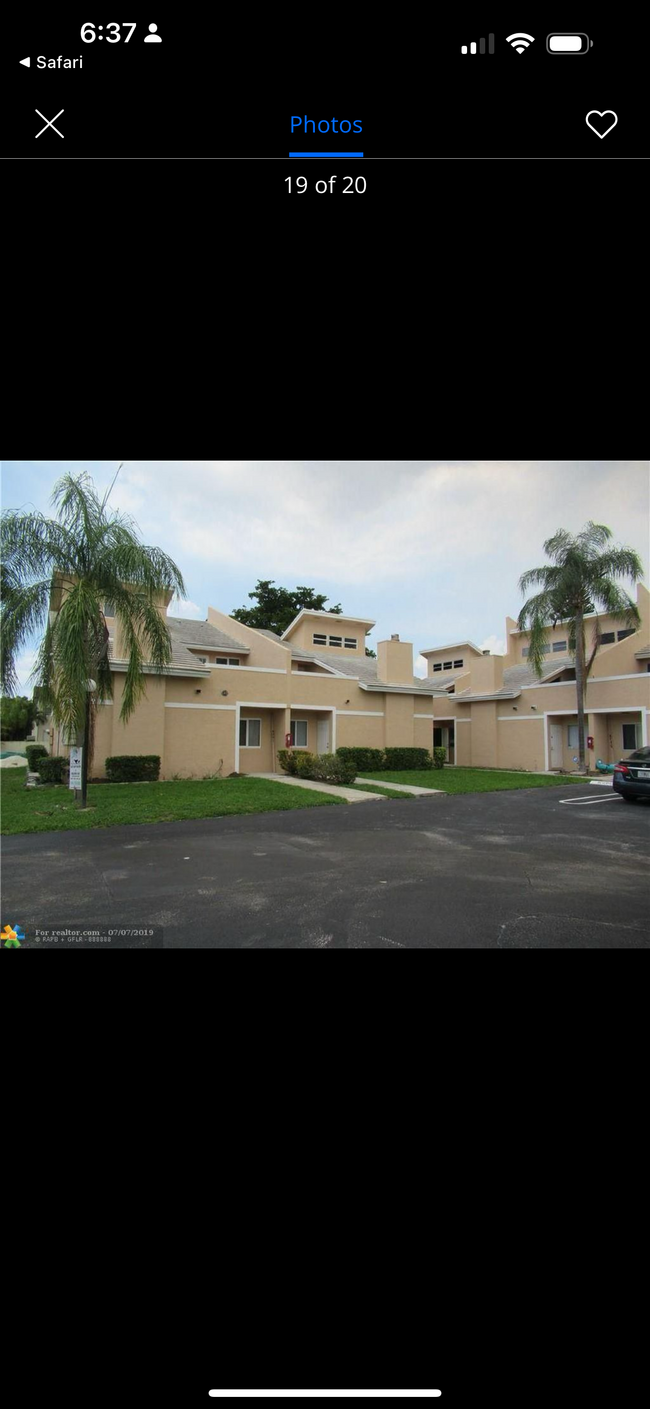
x,y
587,801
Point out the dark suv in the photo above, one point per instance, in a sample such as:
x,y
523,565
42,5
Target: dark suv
x,y
632,775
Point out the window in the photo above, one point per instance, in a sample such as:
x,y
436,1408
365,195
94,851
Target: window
x,y
225,660
233,660
572,736
438,666
319,640
350,643
447,665
299,733
629,736
250,731
559,645
109,609
620,635
458,665
606,637
526,650
336,640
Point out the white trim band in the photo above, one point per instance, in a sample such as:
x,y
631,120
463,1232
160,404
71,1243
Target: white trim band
x,y
180,704
370,713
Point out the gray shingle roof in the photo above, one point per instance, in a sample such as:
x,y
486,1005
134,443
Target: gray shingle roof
x,y
263,630
201,633
516,677
365,669
640,655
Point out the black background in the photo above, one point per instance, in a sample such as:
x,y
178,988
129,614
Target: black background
x,y
226,85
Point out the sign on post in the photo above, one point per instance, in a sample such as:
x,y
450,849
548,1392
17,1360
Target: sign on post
x,y
75,768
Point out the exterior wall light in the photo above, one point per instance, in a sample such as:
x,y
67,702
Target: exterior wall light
x,y
197,692
224,692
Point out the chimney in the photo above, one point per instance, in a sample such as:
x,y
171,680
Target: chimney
x,y
486,674
395,661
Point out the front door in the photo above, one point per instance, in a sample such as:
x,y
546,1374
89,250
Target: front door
x,y
323,739
441,737
556,745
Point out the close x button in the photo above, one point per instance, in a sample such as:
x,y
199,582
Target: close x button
x,y
49,122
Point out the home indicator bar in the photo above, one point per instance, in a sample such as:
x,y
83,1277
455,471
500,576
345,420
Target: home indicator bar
x,y
325,1393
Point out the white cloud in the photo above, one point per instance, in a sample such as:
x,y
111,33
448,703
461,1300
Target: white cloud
x,y
24,667
494,644
182,607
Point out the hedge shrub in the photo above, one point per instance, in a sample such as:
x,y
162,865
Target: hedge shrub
x,y
439,757
34,752
304,762
50,770
364,760
331,768
320,767
408,758
133,768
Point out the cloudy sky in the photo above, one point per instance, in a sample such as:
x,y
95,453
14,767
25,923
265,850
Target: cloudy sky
x,y
431,549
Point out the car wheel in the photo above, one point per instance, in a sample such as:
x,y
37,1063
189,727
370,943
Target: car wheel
x,y
627,798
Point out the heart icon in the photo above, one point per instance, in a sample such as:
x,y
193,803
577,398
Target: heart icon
x,y
596,126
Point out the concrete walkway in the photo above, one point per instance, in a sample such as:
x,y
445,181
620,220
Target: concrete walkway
x,y
399,787
348,793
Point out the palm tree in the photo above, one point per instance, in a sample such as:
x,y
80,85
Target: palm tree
x,y
580,581
78,561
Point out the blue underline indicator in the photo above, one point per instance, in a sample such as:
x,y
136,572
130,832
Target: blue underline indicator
x,y
325,154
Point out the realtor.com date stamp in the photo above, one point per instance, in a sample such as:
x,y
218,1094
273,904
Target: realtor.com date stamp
x,y
94,937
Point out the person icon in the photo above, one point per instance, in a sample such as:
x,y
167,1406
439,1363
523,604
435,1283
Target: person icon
x,y
152,37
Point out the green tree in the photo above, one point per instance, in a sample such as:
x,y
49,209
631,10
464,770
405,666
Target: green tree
x,y
18,716
580,580
75,563
277,606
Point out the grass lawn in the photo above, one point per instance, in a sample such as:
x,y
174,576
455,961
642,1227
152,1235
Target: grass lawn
x,y
470,780
53,809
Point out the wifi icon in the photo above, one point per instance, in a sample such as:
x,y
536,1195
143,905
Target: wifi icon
x,y
520,41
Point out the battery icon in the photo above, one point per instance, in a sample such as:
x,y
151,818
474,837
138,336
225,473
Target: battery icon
x,y
568,43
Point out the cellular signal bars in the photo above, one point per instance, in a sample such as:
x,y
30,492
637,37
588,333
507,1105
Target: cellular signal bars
x,y
481,46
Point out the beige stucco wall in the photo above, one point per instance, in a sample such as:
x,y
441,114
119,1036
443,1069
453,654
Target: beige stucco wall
x,y
445,654
395,662
360,732
423,733
145,730
302,635
198,741
521,744
103,745
483,746
614,658
260,760
399,721
263,650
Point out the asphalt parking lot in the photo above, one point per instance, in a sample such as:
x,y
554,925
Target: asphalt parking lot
x,y
552,868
